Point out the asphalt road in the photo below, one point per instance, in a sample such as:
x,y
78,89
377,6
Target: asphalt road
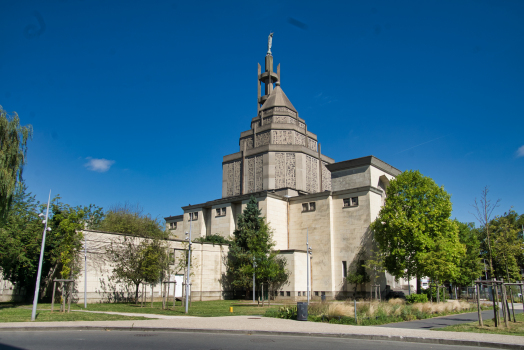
x,y
127,340
444,321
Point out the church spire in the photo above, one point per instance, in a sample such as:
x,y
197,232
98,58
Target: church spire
x,y
268,77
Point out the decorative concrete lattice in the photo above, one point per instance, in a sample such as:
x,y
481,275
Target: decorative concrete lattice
x,y
254,174
258,174
248,141
280,170
301,125
291,180
233,178
300,139
311,144
267,120
250,174
311,174
326,178
285,110
283,137
262,139
237,172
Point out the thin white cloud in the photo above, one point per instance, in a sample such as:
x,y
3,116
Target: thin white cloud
x,y
520,152
99,165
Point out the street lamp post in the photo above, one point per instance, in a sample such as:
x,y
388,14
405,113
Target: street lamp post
x,y
254,267
309,251
37,288
85,272
188,281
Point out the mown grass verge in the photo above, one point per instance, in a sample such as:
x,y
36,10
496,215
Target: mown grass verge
x,y
489,327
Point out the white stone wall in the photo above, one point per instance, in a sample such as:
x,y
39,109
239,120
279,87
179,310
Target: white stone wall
x,y
276,210
207,267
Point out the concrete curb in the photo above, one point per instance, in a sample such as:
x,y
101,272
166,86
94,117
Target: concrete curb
x,y
295,334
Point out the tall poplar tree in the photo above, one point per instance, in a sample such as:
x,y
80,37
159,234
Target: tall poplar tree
x,y
13,150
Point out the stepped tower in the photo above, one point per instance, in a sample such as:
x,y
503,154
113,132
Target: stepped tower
x,y
278,152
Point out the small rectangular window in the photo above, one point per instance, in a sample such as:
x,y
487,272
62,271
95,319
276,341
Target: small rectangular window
x,y
316,294
305,207
224,211
299,294
312,206
323,293
288,294
346,202
218,212
281,293
354,201
344,269
172,225
193,216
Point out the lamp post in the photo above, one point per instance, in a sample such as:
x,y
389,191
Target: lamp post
x,y
85,272
309,251
254,267
37,287
188,281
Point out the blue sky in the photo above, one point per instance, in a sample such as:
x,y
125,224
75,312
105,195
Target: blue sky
x,y
135,101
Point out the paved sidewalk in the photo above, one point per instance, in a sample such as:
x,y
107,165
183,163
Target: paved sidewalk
x,y
264,325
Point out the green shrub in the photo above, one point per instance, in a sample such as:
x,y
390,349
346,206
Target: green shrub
x,y
416,298
287,312
432,292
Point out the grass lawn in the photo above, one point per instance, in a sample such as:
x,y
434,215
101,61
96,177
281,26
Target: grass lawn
x,y
489,327
14,312
198,308
18,313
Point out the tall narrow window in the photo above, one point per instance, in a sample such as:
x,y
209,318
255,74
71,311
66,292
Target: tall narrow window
x,y
344,269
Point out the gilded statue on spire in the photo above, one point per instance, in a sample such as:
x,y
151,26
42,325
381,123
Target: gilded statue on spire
x,y
269,43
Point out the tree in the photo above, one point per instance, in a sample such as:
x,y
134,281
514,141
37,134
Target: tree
x,y
484,208
252,239
131,220
138,260
507,246
414,229
21,239
470,265
13,151
357,274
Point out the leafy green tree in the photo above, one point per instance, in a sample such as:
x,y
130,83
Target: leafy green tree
x,y
357,275
13,150
131,220
252,239
21,239
415,231
470,265
138,260
507,246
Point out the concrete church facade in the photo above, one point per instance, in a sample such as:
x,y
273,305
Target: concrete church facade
x,y
300,192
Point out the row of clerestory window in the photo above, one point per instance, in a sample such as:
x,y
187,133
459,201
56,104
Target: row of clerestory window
x,y
351,202
221,211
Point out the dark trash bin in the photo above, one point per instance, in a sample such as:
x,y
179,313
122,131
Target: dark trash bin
x,y
302,311
323,298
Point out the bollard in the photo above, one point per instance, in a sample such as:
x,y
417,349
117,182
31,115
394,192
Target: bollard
x,y
231,309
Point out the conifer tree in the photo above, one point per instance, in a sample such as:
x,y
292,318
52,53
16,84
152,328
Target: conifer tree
x,y
252,240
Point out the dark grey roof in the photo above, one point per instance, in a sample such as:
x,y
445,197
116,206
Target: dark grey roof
x,y
277,98
369,160
176,217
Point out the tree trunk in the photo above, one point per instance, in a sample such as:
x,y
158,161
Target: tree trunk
x,y
136,293
419,285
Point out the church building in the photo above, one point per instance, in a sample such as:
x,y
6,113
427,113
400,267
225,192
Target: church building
x,y
302,193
